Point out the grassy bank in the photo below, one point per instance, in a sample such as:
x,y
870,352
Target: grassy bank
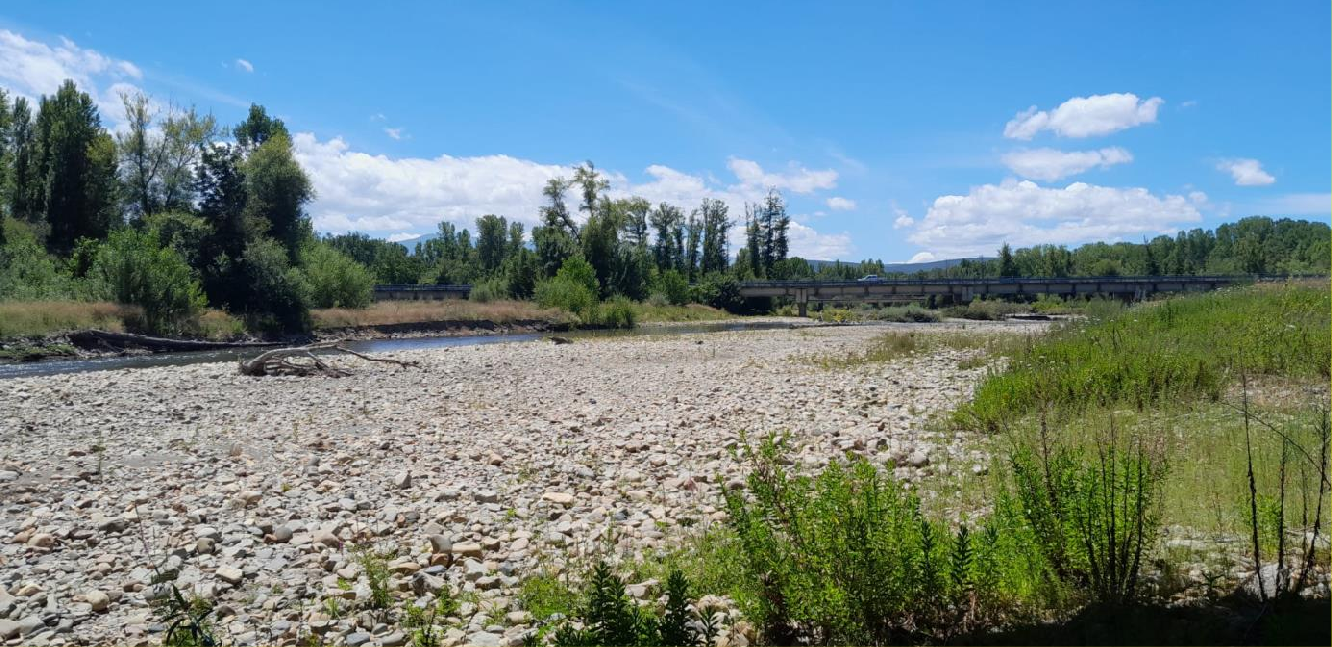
x,y
38,318
647,313
408,312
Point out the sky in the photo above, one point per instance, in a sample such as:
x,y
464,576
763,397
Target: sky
x,y
898,131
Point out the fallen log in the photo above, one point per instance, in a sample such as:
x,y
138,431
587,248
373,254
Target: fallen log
x,y
301,361
100,339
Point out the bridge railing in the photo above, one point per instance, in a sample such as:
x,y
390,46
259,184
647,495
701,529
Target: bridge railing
x,y
1186,278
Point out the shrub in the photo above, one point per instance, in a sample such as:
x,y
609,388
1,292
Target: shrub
x,y
568,295
27,272
657,300
133,269
673,286
617,313
278,294
719,291
1094,517
984,310
846,557
493,289
609,617
334,279
577,270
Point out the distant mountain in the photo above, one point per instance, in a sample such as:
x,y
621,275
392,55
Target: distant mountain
x,y
410,243
905,268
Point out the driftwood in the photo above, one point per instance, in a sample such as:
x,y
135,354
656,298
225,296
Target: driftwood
x,y
301,361
560,340
98,339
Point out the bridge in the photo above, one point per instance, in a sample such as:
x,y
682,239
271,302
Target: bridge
x,y
804,292
409,292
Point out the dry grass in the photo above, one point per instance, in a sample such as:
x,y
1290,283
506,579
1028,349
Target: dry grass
x,y
32,318
690,312
400,312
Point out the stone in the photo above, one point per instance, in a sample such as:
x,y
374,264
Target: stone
x,y
565,499
205,546
41,540
8,629
111,524
918,458
326,537
281,534
395,639
8,475
358,638
483,639
402,480
99,601
440,544
467,549
230,575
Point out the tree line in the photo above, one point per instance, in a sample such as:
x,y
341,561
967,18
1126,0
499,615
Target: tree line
x,y
175,213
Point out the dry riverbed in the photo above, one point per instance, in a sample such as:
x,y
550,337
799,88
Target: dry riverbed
x,y
489,463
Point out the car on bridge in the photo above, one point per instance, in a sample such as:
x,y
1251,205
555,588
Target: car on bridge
x,y
869,278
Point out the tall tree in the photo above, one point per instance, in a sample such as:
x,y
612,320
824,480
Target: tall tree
x,y
25,195
635,221
1007,267
258,128
75,168
591,185
716,228
691,255
492,241
277,191
667,221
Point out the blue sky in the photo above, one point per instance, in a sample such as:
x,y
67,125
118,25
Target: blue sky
x,y
896,130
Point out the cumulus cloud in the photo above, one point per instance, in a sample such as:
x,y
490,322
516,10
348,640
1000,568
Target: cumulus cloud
x,y
839,203
797,179
922,257
1049,164
1099,114
1246,171
244,65
1024,213
32,68
382,195
903,221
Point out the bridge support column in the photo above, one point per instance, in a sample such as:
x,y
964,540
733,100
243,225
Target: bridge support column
x,y
802,301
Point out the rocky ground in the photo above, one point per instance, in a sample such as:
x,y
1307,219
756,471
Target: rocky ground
x,y
488,463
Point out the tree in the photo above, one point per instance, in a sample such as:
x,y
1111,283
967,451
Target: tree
x,y
25,195
74,168
716,229
277,191
278,292
754,240
334,279
220,184
6,156
157,160
667,223
258,128
691,256
591,185
135,270
635,221
492,242
1007,267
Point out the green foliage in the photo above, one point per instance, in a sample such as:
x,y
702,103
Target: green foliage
x,y
71,175
277,190
609,617
134,269
489,290
425,623
279,294
28,272
577,270
1183,346
847,557
567,295
544,595
374,565
520,274
1095,515
720,291
618,312
673,286
985,310
334,280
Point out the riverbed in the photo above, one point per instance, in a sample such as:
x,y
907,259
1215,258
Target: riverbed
x,y
498,459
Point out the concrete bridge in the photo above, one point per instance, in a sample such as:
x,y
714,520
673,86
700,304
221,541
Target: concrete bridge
x,y
805,292
409,292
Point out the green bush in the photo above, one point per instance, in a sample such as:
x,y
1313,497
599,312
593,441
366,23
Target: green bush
x,y
672,285
618,312
334,279
133,269
568,295
609,617
1095,517
577,270
720,291
489,290
846,557
27,272
985,310
279,296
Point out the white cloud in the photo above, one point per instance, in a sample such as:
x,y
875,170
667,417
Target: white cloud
x,y
1049,164
32,68
1099,114
1024,213
382,195
903,221
1246,171
797,179
840,204
395,133
245,65
922,257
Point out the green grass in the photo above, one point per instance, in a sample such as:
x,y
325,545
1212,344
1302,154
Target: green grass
x,y
1186,347
898,345
648,313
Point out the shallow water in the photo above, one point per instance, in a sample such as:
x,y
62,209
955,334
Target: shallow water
x,y
61,366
